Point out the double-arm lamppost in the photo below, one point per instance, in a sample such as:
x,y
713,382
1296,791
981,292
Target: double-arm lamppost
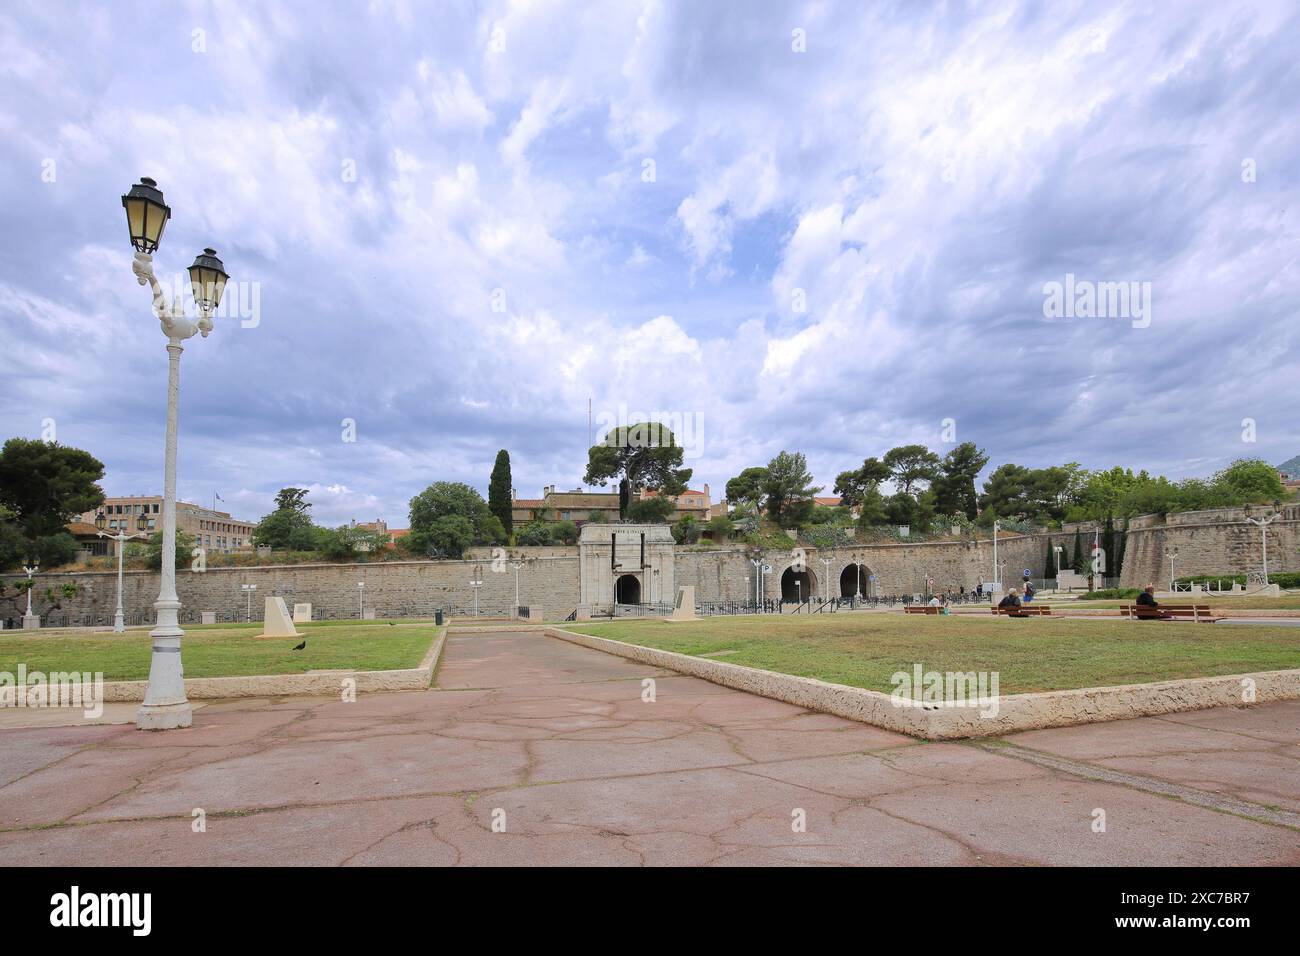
x,y
121,537
30,619
165,706
476,583
1262,524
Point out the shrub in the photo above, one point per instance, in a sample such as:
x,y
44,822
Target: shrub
x,y
1111,594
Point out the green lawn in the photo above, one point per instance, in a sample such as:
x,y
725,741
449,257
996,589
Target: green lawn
x,y
1287,602
223,650
1029,655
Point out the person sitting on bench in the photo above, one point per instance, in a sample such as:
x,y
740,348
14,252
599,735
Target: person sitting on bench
x,y
1147,599
1011,602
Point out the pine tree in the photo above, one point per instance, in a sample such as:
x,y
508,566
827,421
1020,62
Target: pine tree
x,y
500,493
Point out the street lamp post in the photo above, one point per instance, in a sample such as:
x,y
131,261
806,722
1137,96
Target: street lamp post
x,y
826,585
476,583
142,523
361,600
165,706
1173,575
516,565
1262,524
30,619
997,572
248,590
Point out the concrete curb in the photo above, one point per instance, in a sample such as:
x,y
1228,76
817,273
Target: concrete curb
x,y
291,685
1005,714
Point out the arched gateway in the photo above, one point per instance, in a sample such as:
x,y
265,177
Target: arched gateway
x,y
797,585
855,581
627,589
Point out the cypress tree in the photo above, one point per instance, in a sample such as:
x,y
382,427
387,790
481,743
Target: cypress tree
x,y
500,493
1048,570
1080,564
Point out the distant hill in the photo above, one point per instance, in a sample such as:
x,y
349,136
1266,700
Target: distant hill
x,y
1291,467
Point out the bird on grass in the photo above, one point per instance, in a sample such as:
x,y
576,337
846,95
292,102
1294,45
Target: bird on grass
x,y
301,646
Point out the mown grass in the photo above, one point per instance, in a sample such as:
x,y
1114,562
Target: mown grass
x,y
224,650
1035,654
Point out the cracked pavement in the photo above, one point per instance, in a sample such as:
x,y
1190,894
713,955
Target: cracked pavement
x,y
554,744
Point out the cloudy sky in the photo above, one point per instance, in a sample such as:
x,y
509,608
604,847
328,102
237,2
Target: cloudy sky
x,y
809,226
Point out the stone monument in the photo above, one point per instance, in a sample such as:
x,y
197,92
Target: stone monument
x,y
276,621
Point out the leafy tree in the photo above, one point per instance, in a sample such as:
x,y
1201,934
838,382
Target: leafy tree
x,y
534,534
746,519
955,488
152,547
854,486
721,527
873,509
292,499
289,527
348,541
1250,480
641,456
500,493
653,510
747,487
912,467
54,550
445,537
13,546
904,509
686,530
44,485
448,517
564,532
789,490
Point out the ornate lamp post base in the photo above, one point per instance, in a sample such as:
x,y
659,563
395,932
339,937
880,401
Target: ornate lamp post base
x,y
164,716
165,706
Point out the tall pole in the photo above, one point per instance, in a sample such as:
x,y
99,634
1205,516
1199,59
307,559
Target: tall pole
x,y
165,706
826,585
997,573
1263,524
30,571
119,619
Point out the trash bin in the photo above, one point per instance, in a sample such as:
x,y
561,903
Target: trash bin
x,y
437,617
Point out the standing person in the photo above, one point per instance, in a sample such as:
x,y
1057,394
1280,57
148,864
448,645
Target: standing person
x,y
979,589
1029,591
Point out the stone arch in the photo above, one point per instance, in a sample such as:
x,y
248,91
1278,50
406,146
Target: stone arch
x,y
627,589
855,580
797,585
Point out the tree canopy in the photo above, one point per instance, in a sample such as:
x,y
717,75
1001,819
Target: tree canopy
x,y
641,456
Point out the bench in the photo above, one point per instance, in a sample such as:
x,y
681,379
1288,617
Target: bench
x,y
1200,613
921,609
1025,610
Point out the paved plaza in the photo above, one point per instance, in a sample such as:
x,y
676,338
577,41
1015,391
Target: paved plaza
x,y
531,750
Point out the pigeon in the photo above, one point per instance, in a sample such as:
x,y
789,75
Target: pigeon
x,y
301,646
